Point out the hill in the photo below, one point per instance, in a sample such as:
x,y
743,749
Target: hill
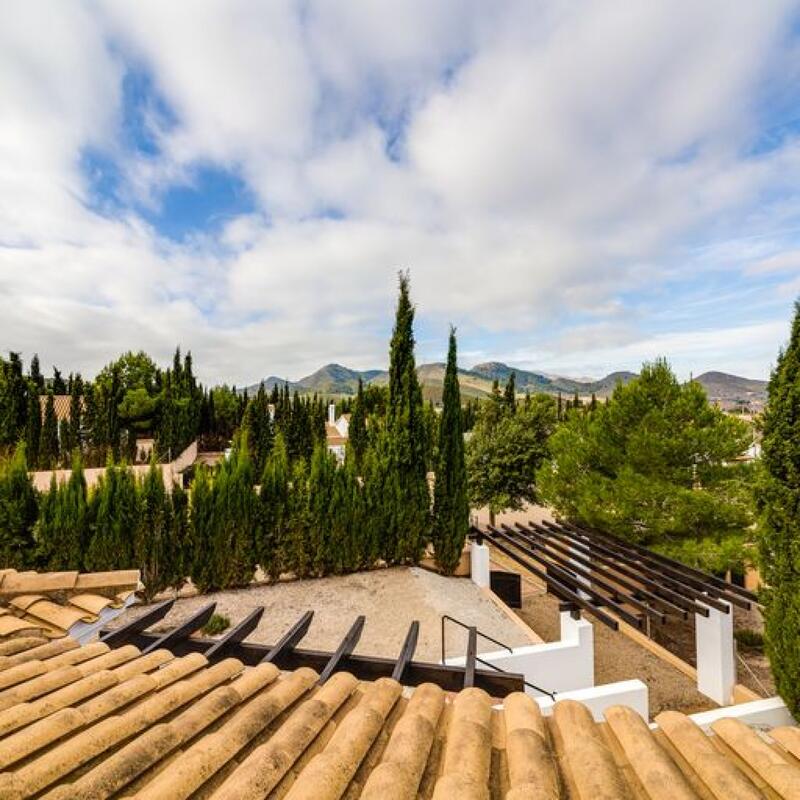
x,y
335,379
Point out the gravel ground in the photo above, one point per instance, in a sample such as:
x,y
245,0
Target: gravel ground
x,y
616,657
390,599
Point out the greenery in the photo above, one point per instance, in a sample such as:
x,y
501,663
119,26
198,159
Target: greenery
x,y
657,464
507,446
778,498
216,625
747,637
450,505
18,512
407,487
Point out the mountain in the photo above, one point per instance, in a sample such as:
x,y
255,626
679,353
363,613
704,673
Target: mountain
x,y
733,389
335,379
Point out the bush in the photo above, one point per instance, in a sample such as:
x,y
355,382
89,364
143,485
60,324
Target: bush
x,y
216,625
747,637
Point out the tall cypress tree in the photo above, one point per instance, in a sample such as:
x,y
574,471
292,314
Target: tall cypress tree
x,y
116,506
76,412
48,442
59,386
406,429
63,530
510,393
201,518
13,400
274,511
779,502
33,430
37,379
18,512
357,433
451,507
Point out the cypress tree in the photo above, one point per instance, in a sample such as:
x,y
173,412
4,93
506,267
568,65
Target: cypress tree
x,y
59,387
181,535
510,394
779,504
409,492
63,531
37,379
378,472
33,430
203,569
18,513
13,400
76,412
274,511
117,517
451,506
299,555
357,433
325,551
155,549
48,442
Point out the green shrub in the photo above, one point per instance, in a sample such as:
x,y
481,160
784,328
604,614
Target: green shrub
x,y
747,637
216,625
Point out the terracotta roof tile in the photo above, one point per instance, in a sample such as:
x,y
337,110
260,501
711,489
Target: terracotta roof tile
x,y
55,604
86,722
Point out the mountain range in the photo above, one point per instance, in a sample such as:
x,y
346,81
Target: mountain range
x,y
334,379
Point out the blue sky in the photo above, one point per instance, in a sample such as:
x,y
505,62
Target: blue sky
x,y
577,187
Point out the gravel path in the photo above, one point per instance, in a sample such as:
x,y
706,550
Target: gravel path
x,y
390,599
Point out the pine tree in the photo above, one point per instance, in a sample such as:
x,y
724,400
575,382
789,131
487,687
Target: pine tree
x,y
779,504
451,506
18,513
357,433
408,486
48,442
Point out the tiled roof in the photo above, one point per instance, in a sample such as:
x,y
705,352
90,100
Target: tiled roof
x,y
55,604
93,722
333,436
61,405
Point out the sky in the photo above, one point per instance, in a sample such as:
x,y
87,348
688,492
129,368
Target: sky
x,y
577,187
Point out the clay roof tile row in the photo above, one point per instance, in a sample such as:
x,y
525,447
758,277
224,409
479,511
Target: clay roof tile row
x,y
93,722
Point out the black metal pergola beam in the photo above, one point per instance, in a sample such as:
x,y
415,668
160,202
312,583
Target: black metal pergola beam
x,y
236,634
345,648
366,668
119,635
570,579
656,577
406,651
589,573
704,593
290,639
573,541
171,638
612,570
701,581
559,589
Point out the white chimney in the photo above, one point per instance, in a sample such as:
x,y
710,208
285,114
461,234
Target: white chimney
x,y
332,413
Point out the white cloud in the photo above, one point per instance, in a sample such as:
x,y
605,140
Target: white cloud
x,y
540,168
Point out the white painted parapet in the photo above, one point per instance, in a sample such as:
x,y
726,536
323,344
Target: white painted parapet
x,y
554,666
598,699
479,564
716,656
770,712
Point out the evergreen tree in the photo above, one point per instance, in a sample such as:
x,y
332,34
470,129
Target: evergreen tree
x,y
593,404
380,529
59,387
299,555
274,511
117,518
155,548
560,411
257,422
64,523
357,433
204,568
48,442
779,503
324,550
13,400
18,513
510,394
37,379
408,490
33,430
76,414
181,535
451,506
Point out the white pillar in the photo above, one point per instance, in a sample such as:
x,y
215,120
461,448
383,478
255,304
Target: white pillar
x,y
716,658
479,564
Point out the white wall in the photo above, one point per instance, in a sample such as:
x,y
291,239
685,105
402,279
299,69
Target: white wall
x,y
770,711
716,656
598,699
554,666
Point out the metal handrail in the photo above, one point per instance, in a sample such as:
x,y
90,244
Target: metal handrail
x,y
447,617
